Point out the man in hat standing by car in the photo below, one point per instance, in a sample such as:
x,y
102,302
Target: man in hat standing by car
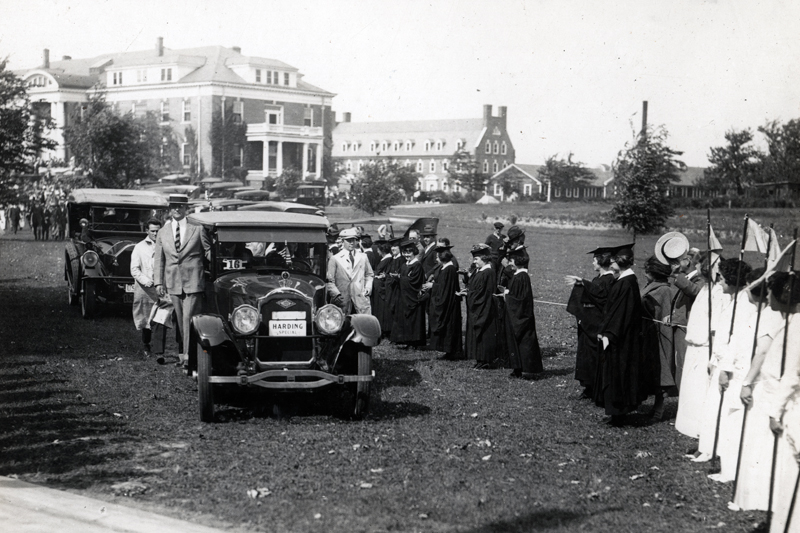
x,y
180,249
350,276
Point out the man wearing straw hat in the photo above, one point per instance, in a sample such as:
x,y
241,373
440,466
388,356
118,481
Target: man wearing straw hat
x,y
180,250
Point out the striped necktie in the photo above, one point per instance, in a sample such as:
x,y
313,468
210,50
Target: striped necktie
x,y
352,259
177,237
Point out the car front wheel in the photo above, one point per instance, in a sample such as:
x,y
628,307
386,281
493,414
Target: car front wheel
x,y
88,299
204,386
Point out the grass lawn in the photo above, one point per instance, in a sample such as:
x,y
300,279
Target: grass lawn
x,y
445,448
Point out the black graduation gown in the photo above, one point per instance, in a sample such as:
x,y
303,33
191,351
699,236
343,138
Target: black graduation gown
x,y
484,336
392,288
379,296
523,347
409,316
445,313
617,387
592,302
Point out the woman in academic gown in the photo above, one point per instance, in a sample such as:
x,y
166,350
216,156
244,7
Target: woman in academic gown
x,y
380,307
617,388
392,285
483,338
523,348
445,307
587,303
408,327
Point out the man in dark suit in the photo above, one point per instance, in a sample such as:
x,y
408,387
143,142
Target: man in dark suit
x,y
180,249
495,241
428,255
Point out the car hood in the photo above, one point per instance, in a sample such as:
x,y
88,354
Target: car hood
x,y
250,286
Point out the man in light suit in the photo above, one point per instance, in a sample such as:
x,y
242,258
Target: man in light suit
x,y
350,276
180,249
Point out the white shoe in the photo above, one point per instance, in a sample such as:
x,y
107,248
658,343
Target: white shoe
x,y
702,458
719,478
733,507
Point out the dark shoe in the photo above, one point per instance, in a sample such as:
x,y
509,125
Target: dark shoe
x,y
446,357
516,373
617,421
529,375
147,350
481,366
161,360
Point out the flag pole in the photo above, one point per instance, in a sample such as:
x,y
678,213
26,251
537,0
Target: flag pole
x,y
762,290
783,368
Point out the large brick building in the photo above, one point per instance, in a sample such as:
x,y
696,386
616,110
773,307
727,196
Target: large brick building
x,y
426,145
288,119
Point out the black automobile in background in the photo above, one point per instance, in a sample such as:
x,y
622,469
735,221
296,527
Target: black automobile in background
x,y
104,225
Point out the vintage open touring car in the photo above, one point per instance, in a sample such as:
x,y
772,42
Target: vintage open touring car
x,y
104,225
268,321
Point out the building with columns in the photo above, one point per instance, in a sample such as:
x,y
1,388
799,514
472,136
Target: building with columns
x,y
288,119
426,145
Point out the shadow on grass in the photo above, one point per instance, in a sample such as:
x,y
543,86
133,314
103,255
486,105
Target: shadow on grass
x,y
538,521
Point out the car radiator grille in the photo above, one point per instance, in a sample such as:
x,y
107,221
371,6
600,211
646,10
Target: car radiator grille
x,y
276,349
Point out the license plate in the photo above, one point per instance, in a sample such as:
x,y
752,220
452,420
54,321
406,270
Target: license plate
x,y
127,298
287,328
129,287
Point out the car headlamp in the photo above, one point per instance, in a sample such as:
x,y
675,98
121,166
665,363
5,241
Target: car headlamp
x,y
245,319
329,319
90,259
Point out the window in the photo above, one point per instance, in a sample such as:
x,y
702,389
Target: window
x,y
496,147
238,155
166,74
527,189
37,81
274,114
396,146
419,166
238,111
503,148
460,144
349,166
557,192
427,146
438,146
275,79
505,164
488,147
117,78
355,146
372,146
308,117
185,155
141,76
432,166
187,110
576,192
258,75
409,144
384,146
485,166
445,165
344,147
497,191
286,78
269,77
165,111
360,165
567,192
494,167
133,108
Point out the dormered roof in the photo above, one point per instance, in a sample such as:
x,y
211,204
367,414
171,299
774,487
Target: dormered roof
x,y
417,131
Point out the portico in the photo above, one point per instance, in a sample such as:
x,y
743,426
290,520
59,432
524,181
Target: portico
x,y
283,146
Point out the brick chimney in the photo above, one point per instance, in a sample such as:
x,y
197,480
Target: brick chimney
x,y
345,117
237,49
487,113
160,46
503,110
46,58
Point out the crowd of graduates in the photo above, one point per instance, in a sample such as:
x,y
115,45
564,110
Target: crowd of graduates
x,y
722,336
417,289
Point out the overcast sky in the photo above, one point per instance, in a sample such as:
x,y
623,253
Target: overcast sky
x,y
573,74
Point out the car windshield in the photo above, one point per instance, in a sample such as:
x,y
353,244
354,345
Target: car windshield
x,y
122,219
283,255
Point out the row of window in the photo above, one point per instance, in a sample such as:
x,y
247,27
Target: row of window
x,y
497,148
527,189
271,77
575,192
420,166
141,76
397,146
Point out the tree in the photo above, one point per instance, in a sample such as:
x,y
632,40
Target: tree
x,y
734,166
644,171
228,138
379,185
22,132
782,160
286,184
191,148
116,149
565,173
464,169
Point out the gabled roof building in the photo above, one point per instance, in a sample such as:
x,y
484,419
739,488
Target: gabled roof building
x,y
287,118
426,145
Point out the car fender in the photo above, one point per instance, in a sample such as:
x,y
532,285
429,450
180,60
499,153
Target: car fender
x,y
366,330
210,330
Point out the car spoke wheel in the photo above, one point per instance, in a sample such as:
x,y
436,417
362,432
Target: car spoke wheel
x,y
361,406
204,386
70,269
88,299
